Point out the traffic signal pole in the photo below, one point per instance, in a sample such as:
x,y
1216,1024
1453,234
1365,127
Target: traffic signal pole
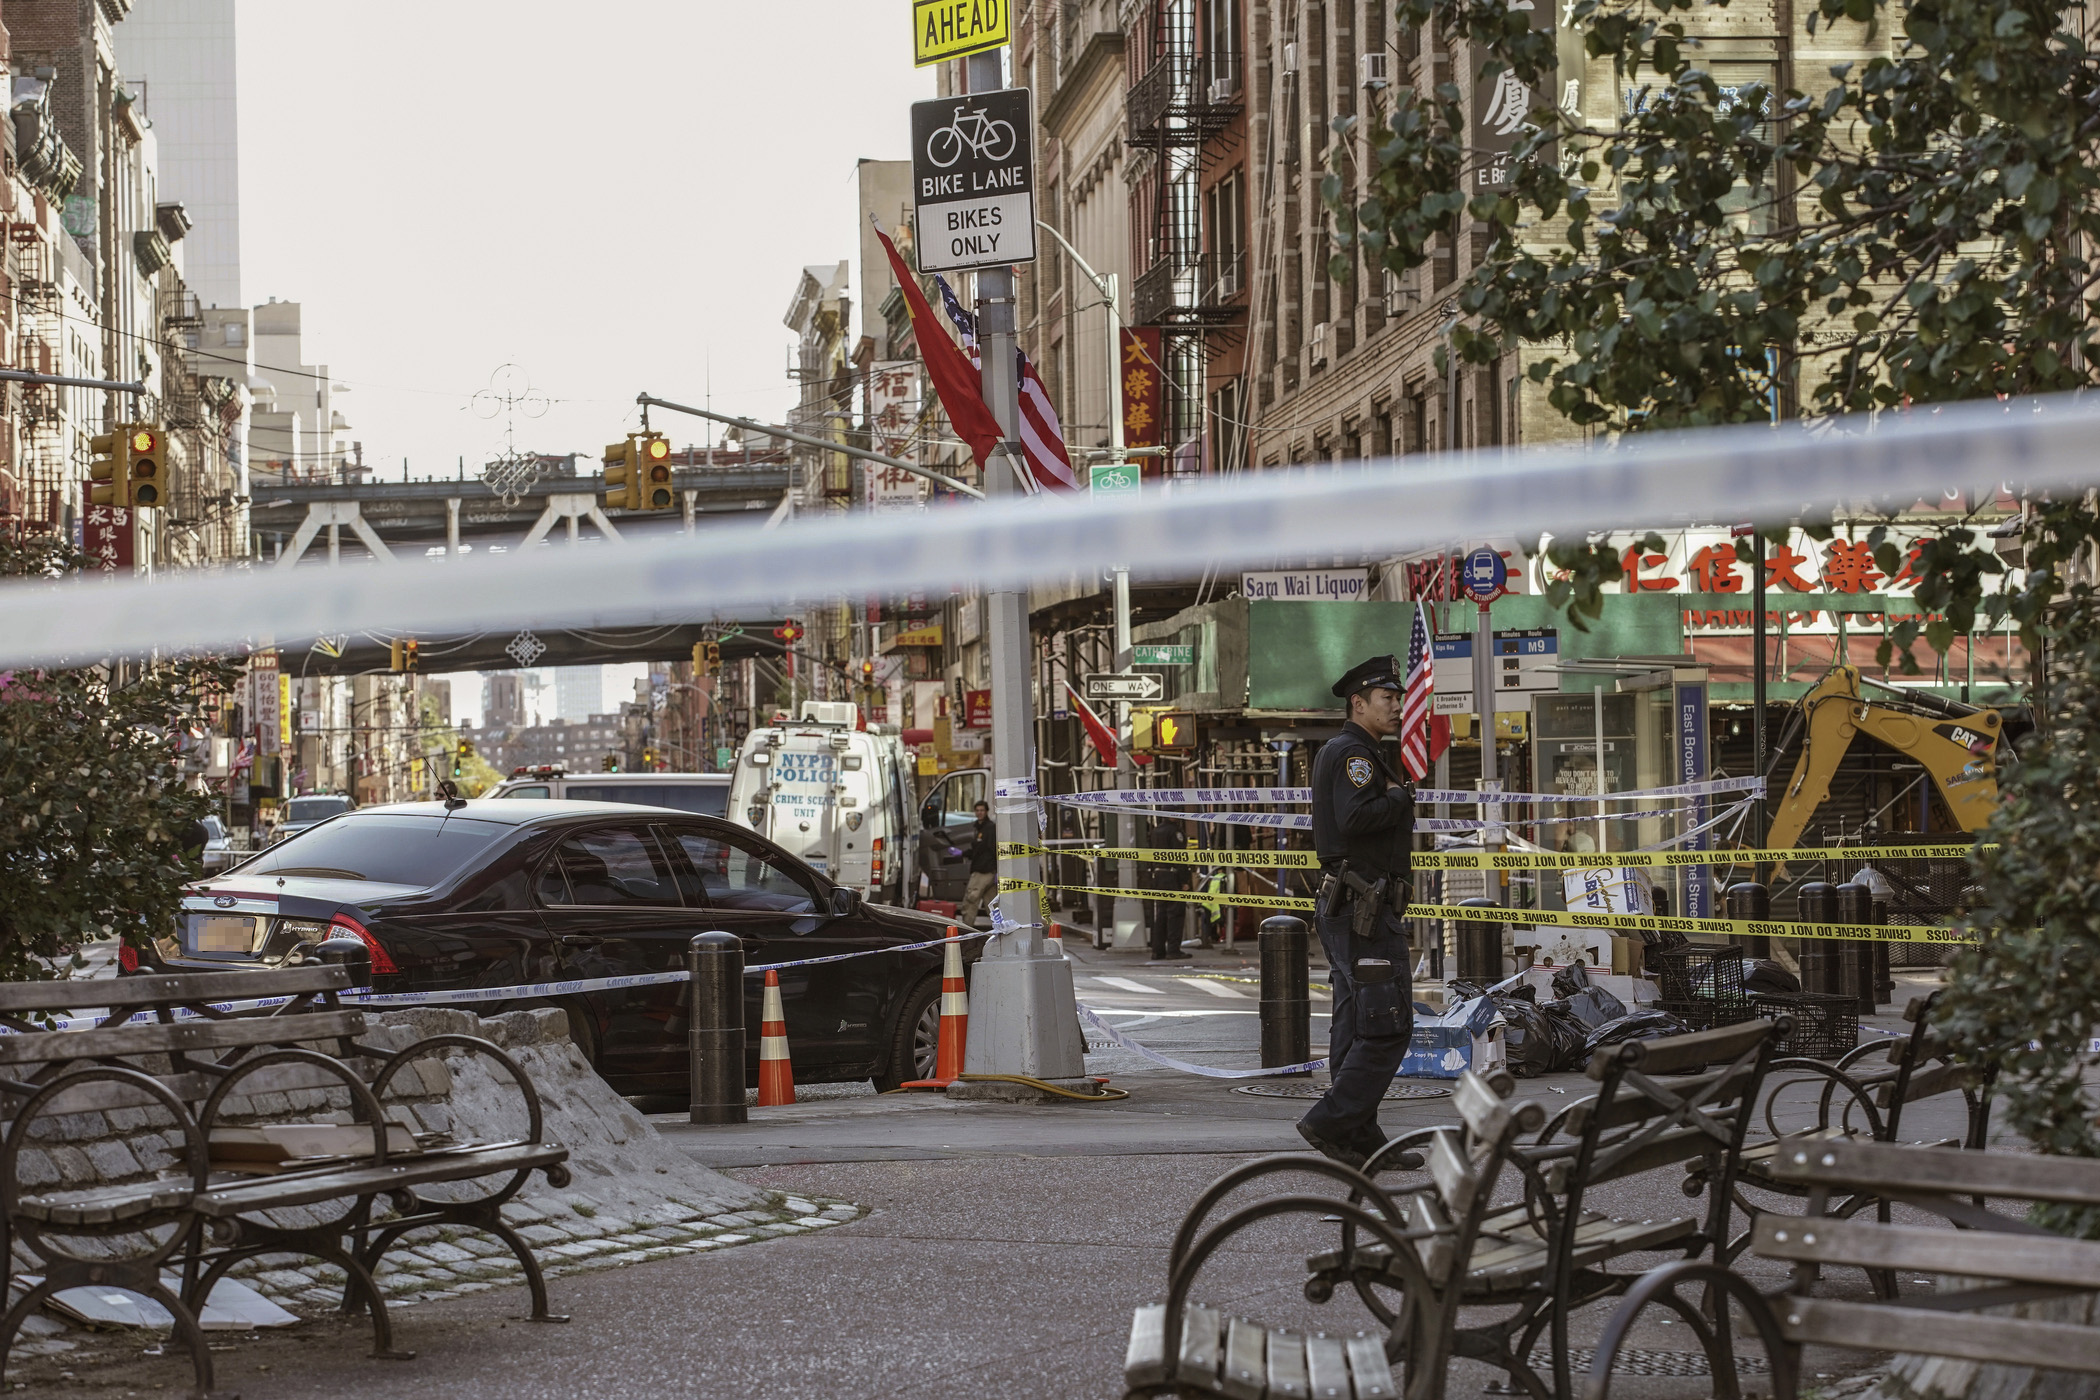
x,y
1023,1017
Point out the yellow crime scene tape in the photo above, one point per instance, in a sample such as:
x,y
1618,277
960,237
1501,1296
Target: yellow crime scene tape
x,y
1552,918
1506,860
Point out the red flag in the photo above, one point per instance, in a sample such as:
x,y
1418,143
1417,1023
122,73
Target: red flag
x,y
1104,738
954,378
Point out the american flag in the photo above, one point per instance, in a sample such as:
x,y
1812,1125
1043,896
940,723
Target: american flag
x,y
1042,437
1417,699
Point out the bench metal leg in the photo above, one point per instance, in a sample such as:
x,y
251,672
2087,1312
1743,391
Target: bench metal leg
x,y
359,1287
485,1216
143,1281
1660,1286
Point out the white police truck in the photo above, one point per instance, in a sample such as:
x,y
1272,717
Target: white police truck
x,y
834,792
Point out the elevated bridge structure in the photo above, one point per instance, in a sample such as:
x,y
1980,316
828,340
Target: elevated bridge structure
x,y
390,521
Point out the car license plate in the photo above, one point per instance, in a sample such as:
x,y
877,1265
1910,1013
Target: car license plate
x,y
222,933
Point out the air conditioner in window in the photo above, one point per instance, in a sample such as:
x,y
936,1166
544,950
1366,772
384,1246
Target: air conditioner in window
x,y
1319,344
1371,68
1290,58
1220,91
1403,292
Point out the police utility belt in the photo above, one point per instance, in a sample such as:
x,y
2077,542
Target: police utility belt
x,y
1364,899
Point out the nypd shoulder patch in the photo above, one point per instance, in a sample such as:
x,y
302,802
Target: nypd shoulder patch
x,y
1360,771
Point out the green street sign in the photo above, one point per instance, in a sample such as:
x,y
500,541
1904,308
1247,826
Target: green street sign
x,y
1162,654
1115,479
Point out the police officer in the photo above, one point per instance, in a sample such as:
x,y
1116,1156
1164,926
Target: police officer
x,y
1363,829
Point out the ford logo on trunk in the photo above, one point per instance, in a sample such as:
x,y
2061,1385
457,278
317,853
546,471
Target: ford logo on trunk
x,y
226,901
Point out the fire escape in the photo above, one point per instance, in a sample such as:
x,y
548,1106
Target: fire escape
x,y
1180,97
45,473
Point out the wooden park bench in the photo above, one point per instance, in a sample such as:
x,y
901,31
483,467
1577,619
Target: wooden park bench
x,y
1991,1259
1417,1256
185,1071
1862,1098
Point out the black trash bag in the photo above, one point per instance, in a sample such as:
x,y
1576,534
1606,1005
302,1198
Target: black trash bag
x,y
1593,1006
1568,1034
1456,991
1527,1040
1635,1025
1764,975
1569,980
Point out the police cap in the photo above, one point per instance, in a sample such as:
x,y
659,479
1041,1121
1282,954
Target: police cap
x,y
1380,672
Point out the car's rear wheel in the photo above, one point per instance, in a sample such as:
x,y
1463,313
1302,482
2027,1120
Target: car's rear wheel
x,y
915,1042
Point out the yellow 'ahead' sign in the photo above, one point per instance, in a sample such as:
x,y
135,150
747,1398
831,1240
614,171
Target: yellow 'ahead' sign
x,y
944,29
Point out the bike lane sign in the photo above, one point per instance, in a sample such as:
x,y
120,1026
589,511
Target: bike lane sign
x,y
973,180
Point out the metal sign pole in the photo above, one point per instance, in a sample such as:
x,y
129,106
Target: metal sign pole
x,y
1023,1017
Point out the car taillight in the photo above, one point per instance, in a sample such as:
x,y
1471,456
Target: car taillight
x,y
876,846
127,958
382,963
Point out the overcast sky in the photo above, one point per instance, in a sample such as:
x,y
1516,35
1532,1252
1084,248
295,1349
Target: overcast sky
x,y
615,196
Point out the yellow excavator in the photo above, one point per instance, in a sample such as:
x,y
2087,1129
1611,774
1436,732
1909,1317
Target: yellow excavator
x,y
1956,744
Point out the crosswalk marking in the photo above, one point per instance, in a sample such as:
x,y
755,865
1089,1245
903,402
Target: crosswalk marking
x,y
1215,988
1125,984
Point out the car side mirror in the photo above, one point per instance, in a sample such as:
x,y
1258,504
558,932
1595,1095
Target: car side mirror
x,y
845,902
930,816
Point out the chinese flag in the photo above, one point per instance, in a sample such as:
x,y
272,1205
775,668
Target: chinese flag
x,y
954,377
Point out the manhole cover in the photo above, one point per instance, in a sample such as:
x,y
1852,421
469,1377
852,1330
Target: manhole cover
x,y
1313,1091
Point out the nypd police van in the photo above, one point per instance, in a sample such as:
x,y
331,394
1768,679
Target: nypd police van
x,y
834,792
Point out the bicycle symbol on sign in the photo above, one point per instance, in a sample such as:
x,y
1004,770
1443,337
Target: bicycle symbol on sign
x,y
974,131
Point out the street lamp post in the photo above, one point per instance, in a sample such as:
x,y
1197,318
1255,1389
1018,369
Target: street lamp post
x,y
1129,926
1024,1020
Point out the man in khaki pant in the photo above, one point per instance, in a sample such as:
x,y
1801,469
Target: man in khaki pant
x,y
984,866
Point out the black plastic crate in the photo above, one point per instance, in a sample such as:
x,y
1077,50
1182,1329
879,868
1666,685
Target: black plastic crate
x,y
1825,1027
1697,972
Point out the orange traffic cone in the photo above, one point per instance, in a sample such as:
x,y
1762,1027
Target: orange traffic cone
x,y
776,1077
1054,934
955,1020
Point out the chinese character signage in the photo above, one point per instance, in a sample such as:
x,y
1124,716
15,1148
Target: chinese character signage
x,y
977,709
1502,109
893,393
1144,387
107,536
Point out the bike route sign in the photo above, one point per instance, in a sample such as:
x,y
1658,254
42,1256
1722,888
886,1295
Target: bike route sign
x,y
973,180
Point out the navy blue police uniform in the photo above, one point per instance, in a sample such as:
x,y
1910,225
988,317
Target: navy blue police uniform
x,y
1363,830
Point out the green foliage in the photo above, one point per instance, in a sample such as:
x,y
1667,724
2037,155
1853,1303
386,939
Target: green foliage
x,y
2024,996
96,819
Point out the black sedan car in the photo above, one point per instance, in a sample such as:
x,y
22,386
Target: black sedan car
x,y
498,894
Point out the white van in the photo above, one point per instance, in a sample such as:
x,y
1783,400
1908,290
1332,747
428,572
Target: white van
x,y
833,793
704,793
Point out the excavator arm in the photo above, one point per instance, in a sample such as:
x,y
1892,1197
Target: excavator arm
x,y
1958,751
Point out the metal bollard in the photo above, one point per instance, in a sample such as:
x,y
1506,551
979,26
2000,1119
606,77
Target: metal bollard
x,y
1856,906
1884,981
1747,899
1480,944
1815,902
1286,993
714,1035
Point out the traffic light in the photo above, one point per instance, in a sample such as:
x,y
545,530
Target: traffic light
x,y
104,469
707,657
1174,732
145,470
401,654
460,755
623,488
655,488
867,673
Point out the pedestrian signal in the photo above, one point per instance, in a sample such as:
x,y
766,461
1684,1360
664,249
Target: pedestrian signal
x,y
145,473
623,488
1174,732
655,488
103,470
1143,736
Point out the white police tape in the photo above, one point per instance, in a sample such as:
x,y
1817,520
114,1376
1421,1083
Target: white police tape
x,y
1086,1014
362,996
1377,510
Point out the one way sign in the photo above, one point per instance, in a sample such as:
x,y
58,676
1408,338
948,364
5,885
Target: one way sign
x,y
1124,685
973,180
